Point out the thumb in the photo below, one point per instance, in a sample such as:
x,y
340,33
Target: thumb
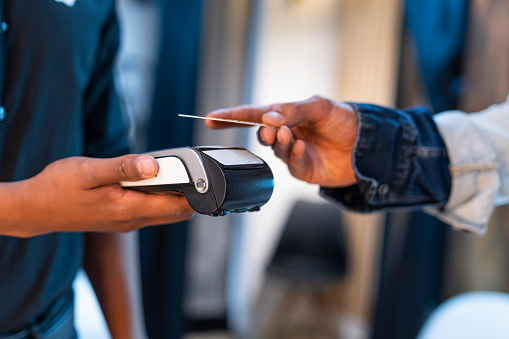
x,y
125,168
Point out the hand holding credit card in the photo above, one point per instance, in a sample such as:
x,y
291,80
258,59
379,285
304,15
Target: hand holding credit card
x,y
314,137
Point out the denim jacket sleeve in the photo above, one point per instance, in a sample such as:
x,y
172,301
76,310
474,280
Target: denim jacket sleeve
x,y
478,152
399,159
478,145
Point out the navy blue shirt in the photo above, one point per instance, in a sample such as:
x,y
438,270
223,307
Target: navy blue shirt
x,y
58,93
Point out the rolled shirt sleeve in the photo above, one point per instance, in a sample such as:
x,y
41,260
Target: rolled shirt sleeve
x,y
478,147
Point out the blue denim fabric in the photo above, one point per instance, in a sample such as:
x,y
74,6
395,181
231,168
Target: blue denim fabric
x,y
399,159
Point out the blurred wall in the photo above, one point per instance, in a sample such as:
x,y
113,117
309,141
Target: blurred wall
x,y
345,50
368,72
223,80
296,57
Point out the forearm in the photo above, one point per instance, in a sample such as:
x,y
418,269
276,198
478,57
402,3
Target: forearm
x,y
112,265
19,211
80,194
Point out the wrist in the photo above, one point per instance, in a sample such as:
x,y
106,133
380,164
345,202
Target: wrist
x,y
15,210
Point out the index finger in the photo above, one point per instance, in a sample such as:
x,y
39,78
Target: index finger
x,y
242,113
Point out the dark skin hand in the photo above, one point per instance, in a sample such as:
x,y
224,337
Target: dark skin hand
x,y
314,137
82,194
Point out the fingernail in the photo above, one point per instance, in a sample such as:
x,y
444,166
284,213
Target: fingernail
x,y
146,166
260,136
274,117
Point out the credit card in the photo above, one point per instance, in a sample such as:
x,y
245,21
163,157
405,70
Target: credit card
x,y
251,123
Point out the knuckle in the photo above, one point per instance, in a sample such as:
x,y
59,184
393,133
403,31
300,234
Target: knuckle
x,y
85,170
326,103
124,216
317,97
289,108
114,194
129,227
186,213
121,169
177,211
321,100
182,208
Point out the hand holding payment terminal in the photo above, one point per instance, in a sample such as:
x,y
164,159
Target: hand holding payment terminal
x,y
215,180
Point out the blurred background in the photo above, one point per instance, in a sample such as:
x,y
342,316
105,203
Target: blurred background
x,y
301,268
